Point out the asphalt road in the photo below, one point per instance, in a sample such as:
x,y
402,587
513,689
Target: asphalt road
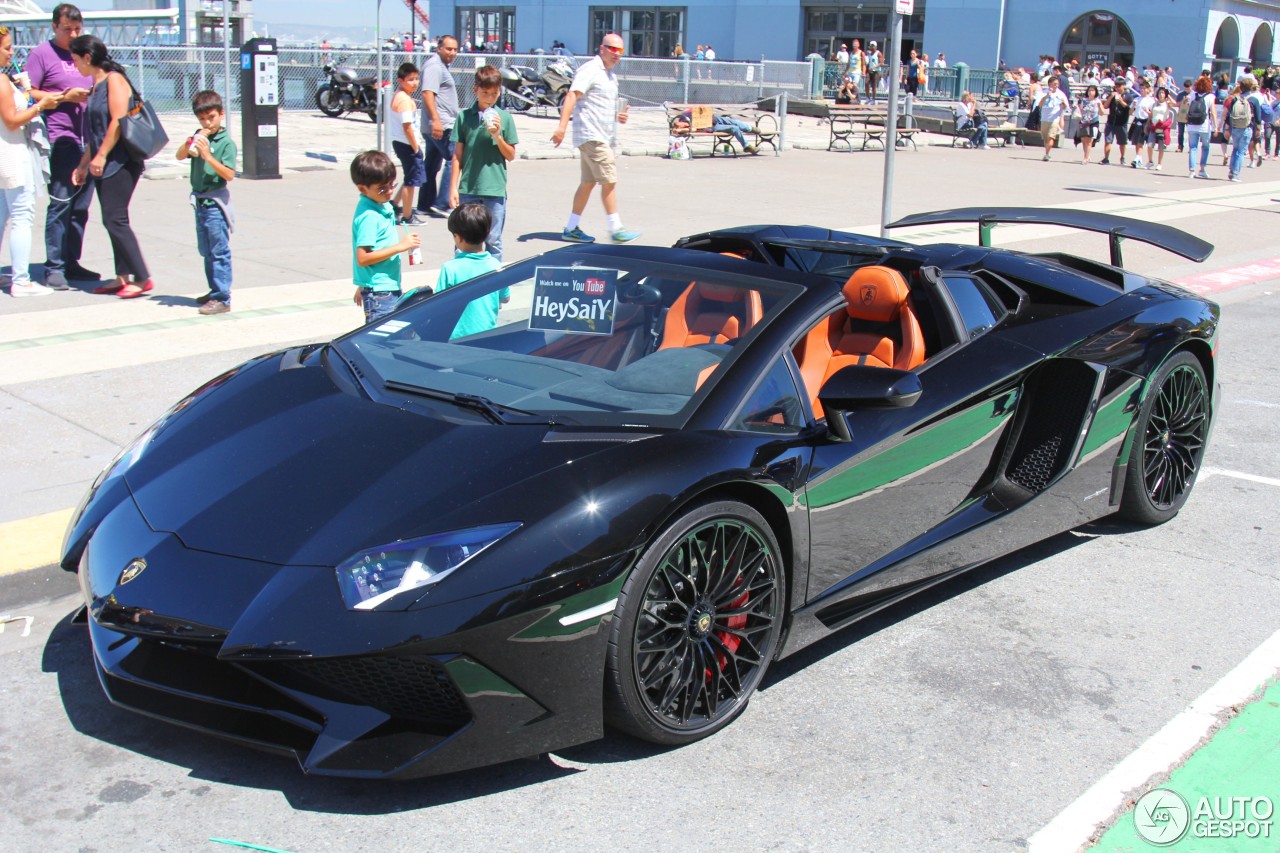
x,y
965,720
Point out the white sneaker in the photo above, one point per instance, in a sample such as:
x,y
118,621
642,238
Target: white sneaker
x,y
33,288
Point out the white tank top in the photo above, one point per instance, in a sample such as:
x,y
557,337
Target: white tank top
x,y
16,162
396,122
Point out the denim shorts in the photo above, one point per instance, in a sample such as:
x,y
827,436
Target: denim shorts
x,y
415,171
378,305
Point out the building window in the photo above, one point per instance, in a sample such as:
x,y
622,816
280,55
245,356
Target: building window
x,y
828,27
653,31
1099,37
486,29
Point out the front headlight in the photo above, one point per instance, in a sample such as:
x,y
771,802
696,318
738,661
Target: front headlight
x,y
373,577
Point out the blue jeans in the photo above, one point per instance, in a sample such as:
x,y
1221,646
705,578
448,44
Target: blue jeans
x,y
18,211
731,125
214,242
439,153
1197,139
980,135
378,305
68,210
497,208
1240,137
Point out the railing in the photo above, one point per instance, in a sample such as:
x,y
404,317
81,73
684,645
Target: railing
x,y
944,83
169,76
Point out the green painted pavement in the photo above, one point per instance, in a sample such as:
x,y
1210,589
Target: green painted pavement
x,y
161,325
1231,787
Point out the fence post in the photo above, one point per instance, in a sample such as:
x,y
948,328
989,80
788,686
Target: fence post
x,y
962,79
142,76
780,106
684,72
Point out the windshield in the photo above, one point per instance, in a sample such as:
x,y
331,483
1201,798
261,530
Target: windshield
x,y
575,337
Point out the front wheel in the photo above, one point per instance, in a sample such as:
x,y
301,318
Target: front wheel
x,y
698,622
328,101
1172,430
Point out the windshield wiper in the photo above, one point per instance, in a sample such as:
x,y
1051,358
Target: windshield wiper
x,y
496,412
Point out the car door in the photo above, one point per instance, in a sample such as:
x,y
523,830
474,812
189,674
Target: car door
x,y
913,478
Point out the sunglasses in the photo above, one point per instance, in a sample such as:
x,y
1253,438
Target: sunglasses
x,y
617,51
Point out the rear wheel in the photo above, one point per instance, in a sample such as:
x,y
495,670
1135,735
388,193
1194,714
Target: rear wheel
x,y
1172,431
328,102
698,623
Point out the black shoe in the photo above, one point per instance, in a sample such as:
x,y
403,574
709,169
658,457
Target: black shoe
x,y
55,280
75,272
201,300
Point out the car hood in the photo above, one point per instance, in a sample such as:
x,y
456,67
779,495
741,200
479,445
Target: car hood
x,y
279,465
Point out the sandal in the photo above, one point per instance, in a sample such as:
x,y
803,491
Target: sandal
x,y
134,290
110,287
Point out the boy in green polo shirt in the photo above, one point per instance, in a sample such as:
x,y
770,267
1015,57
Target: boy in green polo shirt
x,y
213,165
376,244
484,141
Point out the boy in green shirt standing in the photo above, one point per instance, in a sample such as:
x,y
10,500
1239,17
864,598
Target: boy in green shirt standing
x,y
485,139
376,244
212,153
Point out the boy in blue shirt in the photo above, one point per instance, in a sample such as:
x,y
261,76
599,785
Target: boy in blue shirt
x,y
469,224
375,240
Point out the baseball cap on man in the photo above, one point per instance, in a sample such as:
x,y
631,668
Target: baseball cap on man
x,y
873,44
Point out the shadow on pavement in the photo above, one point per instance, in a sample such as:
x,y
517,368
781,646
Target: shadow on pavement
x,y
554,236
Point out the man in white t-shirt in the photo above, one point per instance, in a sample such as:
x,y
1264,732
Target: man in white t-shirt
x,y
842,59
1053,108
592,103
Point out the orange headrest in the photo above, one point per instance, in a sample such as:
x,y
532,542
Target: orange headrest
x,y
875,293
718,292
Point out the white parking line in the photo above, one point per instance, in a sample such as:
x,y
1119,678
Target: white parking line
x,y
1206,473
1074,828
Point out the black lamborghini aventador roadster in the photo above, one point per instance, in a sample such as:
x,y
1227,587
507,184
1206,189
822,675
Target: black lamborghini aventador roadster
x,y
612,484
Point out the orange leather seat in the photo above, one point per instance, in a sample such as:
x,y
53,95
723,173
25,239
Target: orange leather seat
x,y
710,314
877,328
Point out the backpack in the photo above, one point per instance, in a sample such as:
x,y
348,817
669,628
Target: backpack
x,y
1198,111
1239,113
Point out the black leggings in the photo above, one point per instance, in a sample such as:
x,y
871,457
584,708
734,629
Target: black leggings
x,y
114,194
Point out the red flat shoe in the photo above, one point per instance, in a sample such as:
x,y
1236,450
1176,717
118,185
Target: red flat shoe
x,y
109,287
133,290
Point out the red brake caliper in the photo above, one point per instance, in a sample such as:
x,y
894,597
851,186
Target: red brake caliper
x,y
731,641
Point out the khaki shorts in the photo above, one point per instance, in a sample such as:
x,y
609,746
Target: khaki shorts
x,y
1050,130
597,163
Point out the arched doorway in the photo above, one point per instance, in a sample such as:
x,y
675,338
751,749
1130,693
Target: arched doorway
x,y
1260,50
1226,48
1100,37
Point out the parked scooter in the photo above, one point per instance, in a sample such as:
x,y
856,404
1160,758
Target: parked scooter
x,y
347,93
526,88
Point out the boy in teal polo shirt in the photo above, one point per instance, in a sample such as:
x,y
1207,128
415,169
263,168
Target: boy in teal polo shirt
x,y
212,153
469,223
376,244
484,141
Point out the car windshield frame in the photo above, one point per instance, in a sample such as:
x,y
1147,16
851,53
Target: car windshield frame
x,y
630,372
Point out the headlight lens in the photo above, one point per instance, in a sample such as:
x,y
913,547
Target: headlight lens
x,y
375,576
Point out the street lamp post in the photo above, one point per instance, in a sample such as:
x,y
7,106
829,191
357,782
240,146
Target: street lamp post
x,y
377,81
226,52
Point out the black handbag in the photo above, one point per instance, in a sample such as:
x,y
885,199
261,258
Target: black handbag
x,y
1033,118
140,129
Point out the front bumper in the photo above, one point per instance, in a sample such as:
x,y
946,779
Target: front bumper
x,y
268,656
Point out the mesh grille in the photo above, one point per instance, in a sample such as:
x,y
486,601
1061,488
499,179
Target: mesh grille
x,y
1034,470
407,688
1059,399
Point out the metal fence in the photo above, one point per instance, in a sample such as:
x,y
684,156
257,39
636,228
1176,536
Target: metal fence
x,y
169,76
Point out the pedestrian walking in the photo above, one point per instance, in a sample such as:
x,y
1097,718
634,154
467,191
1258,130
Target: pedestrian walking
x,y
212,153
1202,123
53,72
592,103
406,141
20,173
106,162
1053,108
440,109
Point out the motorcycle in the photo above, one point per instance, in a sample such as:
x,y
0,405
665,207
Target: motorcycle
x,y
347,93
526,88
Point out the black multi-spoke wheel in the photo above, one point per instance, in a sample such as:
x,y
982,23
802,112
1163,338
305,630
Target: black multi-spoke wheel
x,y
1170,444
699,621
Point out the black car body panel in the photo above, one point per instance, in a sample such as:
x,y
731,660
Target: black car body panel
x,y
216,554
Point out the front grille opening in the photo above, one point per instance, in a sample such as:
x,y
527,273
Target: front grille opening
x,y
411,688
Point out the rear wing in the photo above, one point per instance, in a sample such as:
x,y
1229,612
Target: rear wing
x,y
1117,228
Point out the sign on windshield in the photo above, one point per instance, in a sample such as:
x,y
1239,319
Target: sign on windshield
x,y
577,300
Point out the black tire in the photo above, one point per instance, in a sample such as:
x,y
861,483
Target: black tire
x,y
560,98
523,103
328,103
696,626
1169,442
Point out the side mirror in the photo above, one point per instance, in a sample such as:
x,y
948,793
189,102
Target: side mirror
x,y
863,387
640,294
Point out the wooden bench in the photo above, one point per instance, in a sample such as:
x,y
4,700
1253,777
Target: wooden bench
x,y
1001,126
696,123
865,122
